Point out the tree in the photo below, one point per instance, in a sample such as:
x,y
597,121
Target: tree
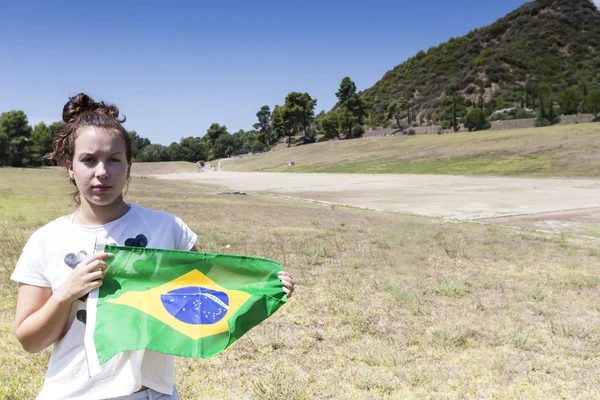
x,y
192,149
531,93
569,101
352,114
263,126
213,133
176,152
452,90
137,143
481,85
40,144
591,102
244,142
346,90
154,153
5,155
299,111
280,126
546,115
223,147
395,111
14,134
330,125
351,108
476,120
55,127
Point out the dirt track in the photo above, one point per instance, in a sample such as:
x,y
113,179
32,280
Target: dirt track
x,y
452,197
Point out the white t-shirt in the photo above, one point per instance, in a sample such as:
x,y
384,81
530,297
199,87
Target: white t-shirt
x,y
48,258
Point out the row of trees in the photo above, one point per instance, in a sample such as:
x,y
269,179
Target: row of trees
x,y
23,145
468,106
297,117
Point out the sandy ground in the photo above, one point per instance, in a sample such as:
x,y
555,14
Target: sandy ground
x,y
451,197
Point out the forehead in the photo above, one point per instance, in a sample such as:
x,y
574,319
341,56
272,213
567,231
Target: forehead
x,y
97,140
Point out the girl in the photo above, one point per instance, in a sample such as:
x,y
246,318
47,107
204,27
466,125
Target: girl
x,y
58,268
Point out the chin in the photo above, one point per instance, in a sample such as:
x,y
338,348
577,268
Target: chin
x,y
103,201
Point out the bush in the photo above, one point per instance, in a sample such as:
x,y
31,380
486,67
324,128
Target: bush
x,y
411,132
512,113
541,121
357,132
476,120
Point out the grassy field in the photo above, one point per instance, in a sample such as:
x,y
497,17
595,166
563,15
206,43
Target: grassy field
x,y
145,169
558,151
387,305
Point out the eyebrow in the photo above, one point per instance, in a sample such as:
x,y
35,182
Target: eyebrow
x,y
93,154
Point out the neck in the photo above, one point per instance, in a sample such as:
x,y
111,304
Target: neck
x,y
92,214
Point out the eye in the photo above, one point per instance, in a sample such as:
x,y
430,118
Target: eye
x,y
114,160
87,160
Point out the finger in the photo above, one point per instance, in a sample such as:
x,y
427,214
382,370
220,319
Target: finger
x,y
96,265
286,279
287,292
95,275
283,273
96,256
288,285
96,284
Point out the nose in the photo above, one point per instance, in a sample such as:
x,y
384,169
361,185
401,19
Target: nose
x,y
101,171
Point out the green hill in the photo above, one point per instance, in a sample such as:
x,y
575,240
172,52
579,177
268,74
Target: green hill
x,y
544,41
558,151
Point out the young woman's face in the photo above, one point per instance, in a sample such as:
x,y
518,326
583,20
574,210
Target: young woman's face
x,y
99,166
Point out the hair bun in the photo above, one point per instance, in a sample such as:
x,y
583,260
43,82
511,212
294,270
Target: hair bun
x,y
77,105
82,103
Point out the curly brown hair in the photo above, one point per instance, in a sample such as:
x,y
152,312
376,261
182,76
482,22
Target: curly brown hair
x,y
82,111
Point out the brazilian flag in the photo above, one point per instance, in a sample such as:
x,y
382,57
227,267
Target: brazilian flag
x,y
178,302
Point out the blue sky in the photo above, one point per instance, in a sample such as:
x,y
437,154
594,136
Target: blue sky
x,y
174,68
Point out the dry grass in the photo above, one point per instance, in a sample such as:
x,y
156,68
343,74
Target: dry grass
x,y
387,305
565,151
167,167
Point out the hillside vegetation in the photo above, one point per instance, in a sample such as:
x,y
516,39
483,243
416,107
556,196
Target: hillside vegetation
x,y
551,43
558,151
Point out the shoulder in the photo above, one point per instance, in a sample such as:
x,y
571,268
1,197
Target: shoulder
x,y
161,229
59,226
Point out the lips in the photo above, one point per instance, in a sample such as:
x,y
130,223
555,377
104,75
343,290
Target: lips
x,y
101,188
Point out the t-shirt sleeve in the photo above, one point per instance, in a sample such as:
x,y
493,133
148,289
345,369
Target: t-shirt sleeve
x,y
185,238
29,269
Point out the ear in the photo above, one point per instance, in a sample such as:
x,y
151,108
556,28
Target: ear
x,y
128,170
69,166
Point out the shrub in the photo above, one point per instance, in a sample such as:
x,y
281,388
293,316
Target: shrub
x,y
411,132
476,120
512,113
